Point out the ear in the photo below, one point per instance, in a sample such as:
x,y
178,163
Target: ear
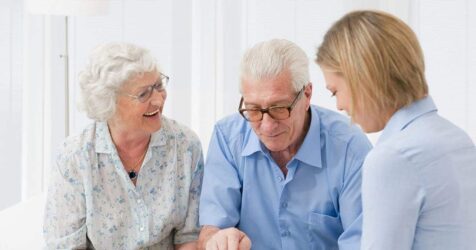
x,y
308,90
308,94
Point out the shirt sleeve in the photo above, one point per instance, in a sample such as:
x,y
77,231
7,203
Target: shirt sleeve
x,y
220,201
350,202
189,232
392,199
65,212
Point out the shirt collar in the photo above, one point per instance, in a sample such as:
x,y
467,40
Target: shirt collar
x,y
309,152
406,115
253,144
159,138
105,145
103,139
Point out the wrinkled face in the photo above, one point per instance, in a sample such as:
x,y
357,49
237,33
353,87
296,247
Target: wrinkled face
x,y
277,135
337,85
135,116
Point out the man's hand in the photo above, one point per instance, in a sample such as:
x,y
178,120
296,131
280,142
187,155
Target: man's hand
x,y
212,238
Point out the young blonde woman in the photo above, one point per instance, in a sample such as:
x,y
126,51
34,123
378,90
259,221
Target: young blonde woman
x,y
419,182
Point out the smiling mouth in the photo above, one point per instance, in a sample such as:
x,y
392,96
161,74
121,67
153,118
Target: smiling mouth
x,y
150,114
273,136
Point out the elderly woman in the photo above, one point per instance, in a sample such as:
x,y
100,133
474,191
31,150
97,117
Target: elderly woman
x,y
418,186
131,179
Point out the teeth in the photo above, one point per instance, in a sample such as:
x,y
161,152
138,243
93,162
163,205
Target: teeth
x,y
152,113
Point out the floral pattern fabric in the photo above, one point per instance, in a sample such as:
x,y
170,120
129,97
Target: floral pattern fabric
x,y
92,202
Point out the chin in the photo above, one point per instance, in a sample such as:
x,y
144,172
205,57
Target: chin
x,y
275,143
274,146
156,128
371,128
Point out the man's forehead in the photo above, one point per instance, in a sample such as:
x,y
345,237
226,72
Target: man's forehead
x,y
267,97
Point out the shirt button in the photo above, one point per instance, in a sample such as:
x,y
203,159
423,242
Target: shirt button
x,y
284,205
139,201
141,229
285,233
280,178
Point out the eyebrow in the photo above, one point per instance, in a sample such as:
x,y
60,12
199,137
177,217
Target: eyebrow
x,y
275,103
144,87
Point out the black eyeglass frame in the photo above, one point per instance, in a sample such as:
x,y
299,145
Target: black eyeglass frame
x,y
267,110
159,85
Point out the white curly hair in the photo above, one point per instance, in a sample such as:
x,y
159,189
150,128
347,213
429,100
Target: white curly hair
x,y
110,66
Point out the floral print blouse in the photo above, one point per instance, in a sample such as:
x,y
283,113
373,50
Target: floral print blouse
x,y
92,203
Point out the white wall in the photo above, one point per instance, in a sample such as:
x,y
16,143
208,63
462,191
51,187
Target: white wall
x,y
447,31
10,101
199,43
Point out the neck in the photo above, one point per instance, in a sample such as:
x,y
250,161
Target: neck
x,y
283,157
131,142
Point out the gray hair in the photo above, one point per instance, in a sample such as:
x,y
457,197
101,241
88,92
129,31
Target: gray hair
x,y
110,66
268,59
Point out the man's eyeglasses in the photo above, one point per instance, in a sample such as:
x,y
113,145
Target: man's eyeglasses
x,y
145,94
276,112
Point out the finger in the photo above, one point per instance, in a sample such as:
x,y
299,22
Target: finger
x,y
233,240
221,240
211,245
245,243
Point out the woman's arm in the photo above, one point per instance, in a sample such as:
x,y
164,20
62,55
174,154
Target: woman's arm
x,y
392,198
65,213
186,246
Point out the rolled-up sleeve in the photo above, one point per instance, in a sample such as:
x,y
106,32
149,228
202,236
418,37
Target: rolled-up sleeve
x,y
350,202
65,212
221,194
191,228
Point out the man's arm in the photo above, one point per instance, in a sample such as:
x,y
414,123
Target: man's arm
x,y
350,202
220,200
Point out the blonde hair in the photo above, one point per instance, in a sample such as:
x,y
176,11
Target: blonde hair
x,y
380,59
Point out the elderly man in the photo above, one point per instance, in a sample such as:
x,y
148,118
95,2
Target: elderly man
x,y
282,174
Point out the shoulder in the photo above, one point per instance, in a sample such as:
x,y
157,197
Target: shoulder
x,y
79,143
387,172
338,130
417,141
185,136
75,154
233,125
232,128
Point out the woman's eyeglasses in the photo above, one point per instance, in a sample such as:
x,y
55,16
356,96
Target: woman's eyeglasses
x,y
145,94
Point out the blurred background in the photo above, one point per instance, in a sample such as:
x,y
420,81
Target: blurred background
x,y
198,43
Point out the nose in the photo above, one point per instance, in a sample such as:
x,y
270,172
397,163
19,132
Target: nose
x,y
158,97
268,124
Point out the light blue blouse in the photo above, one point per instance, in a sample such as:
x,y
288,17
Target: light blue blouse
x,y
91,199
419,184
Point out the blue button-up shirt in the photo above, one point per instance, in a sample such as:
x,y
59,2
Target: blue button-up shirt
x,y
419,184
317,205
